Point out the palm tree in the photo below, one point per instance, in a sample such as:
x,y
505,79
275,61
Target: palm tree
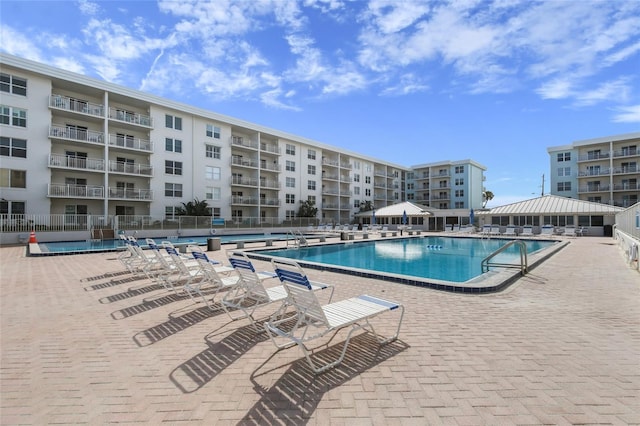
x,y
194,208
366,206
486,197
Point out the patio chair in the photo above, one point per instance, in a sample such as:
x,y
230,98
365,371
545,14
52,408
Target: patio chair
x,y
547,231
569,231
527,231
314,321
211,278
510,231
251,293
486,230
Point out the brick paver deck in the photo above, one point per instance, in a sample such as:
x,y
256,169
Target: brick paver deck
x,y
84,343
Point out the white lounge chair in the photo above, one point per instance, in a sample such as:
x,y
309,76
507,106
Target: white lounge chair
x,y
527,231
569,231
510,231
251,294
486,230
495,230
547,231
211,278
315,320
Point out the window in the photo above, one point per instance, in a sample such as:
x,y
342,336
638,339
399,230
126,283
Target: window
x,y
123,139
291,149
212,173
356,177
213,193
459,169
356,190
311,154
13,178
367,192
459,181
170,212
212,151
311,169
125,210
459,204
459,192
12,147
564,186
213,131
290,214
216,212
173,145
564,171
290,182
367,179
172,122
173,167
290,198
311,185
13,116
12,84
356,203
12,207
173,190
356,165
290,166
564,156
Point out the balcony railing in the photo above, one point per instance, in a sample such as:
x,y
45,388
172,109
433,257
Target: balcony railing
x,y
329,162
131,143
78,163
243,142
595,172
269,183
131,194
270,202
245,200
274,167
625,153
70,104
130,117
130,168
625,169
244,162
274,149
74,134
75,191
626,186
244,181
594,188
594,156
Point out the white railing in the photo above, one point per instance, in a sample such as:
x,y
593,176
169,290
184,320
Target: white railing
x,y
130,117
72,133
70,104
131,194
65,161
133,143
134,169
75,191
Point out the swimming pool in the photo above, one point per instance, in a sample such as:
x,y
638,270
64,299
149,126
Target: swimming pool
x,y
78,247
424,260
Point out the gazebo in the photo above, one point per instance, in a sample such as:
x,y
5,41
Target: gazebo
x,y
394,214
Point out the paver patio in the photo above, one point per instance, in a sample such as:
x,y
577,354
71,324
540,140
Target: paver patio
x,y
83,342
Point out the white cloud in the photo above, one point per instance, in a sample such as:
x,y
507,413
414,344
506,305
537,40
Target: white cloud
x,y
559,88
628,114
18,43
88,8
612,91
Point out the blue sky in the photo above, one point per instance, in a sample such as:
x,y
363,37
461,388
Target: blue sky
x,y
410,82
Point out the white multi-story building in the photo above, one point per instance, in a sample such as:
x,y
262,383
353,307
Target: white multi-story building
x,y
603,170
74,145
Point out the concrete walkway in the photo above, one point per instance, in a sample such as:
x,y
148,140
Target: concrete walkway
x,y
84,343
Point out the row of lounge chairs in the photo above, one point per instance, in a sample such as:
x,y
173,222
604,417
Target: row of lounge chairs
x,y
527,231
298,317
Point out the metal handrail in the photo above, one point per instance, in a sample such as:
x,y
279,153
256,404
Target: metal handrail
x,y
524,266
298,239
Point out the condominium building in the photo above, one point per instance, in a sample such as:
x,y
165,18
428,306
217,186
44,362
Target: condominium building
x,y
603,170
447,184
75,145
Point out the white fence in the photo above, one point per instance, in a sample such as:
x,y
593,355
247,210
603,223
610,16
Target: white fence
x,y
627,233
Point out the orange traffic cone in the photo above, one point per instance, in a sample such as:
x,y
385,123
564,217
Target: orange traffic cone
x,y
32,237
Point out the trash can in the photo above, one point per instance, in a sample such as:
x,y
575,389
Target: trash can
x,y
213,244
344,236
608,231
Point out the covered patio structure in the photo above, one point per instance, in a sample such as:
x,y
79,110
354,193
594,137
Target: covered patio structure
x,y
396,214
560,212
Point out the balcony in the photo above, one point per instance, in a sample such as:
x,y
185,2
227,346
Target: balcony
x,y
629,152
593,156
130,168
61,190
330,162
65,103
76,135
242,142
130,117
327,176
594,172
244,162
270,148
117,141
130,194
244,181
269,184
245,201
626,186
62,161
624,170
270,202
272,167
347,166
594,188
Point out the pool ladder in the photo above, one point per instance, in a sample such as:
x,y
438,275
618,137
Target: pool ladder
x,y
524,266
298,239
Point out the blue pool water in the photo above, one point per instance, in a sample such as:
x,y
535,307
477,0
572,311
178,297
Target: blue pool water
x,y
441,258
108,245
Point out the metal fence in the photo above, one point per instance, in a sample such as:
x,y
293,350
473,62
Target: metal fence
x,y
66,222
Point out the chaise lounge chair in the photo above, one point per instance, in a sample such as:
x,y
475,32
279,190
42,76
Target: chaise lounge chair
x,y
251,293
314,320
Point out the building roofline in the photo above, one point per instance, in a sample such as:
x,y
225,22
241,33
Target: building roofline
x,y
602,139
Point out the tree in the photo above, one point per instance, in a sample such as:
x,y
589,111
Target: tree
x,y
307,209
486,197
194,208
366,206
